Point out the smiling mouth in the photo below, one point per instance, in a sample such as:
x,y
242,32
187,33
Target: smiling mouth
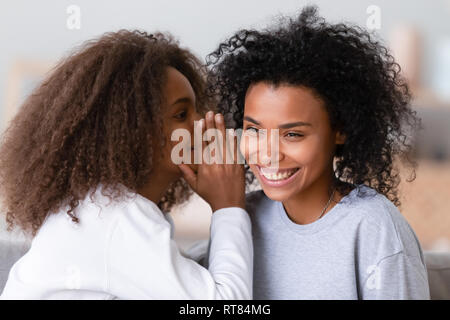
x,y
277,174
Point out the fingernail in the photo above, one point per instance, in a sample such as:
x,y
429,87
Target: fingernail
x,y
210,114
218,117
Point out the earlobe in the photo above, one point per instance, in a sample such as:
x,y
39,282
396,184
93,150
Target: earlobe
x,y
340,138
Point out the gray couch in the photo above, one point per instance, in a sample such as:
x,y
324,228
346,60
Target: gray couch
x,y
438,266
10,252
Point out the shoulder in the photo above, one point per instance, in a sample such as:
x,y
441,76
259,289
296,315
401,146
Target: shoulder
x,y
381,221
374,207
137,212
99,212
137,225
127,203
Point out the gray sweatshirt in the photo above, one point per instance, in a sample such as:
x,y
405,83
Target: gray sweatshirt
x,y
362,248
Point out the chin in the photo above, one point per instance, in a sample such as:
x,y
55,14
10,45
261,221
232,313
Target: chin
x,y
278,195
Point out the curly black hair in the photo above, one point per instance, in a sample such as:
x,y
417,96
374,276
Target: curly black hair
x,y
357,78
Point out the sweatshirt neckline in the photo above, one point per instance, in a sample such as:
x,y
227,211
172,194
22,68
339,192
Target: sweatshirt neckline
x,y
328,219
130,195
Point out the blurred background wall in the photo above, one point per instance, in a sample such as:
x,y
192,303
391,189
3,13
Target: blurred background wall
x,y
34,35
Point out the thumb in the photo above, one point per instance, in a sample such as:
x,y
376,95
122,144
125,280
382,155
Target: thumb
x,y
188,175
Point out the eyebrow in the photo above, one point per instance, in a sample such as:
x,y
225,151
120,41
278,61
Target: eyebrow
x,y
182,100
281,126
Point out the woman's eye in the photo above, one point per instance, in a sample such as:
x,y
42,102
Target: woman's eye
x,y
293,135
251,129
181,115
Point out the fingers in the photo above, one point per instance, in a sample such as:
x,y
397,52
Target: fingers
x,y
229,146
222,146
233,147
220,123
202,124
188,175
210,127
210,123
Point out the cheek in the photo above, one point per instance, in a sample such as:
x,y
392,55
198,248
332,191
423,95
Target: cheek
x,y
307,152
298,154
169,145
171,127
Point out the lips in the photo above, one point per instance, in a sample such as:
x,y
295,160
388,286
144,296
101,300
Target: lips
x,y
277,174
277,177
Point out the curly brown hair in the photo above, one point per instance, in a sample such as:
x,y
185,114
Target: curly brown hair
x,y
92,121
357,78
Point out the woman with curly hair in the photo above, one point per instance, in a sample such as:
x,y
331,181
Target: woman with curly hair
x,y
87,159
325,224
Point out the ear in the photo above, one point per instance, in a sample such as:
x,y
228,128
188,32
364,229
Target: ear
x,y
340,138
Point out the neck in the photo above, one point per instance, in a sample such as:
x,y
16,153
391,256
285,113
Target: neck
x,y
306,206
156,186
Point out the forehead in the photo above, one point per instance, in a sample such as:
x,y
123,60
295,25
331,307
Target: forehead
x,y
266,102
177,86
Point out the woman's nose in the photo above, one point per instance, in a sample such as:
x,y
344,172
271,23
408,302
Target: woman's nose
x,y
263,150
271,157
197,116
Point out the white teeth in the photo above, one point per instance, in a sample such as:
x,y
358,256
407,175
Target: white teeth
x,y
278,175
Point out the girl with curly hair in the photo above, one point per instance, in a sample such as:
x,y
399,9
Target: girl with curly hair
x,y
325,224
85,167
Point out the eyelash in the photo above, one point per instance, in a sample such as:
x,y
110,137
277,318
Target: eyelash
x,y
289,134
293,134
181,115
251,129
